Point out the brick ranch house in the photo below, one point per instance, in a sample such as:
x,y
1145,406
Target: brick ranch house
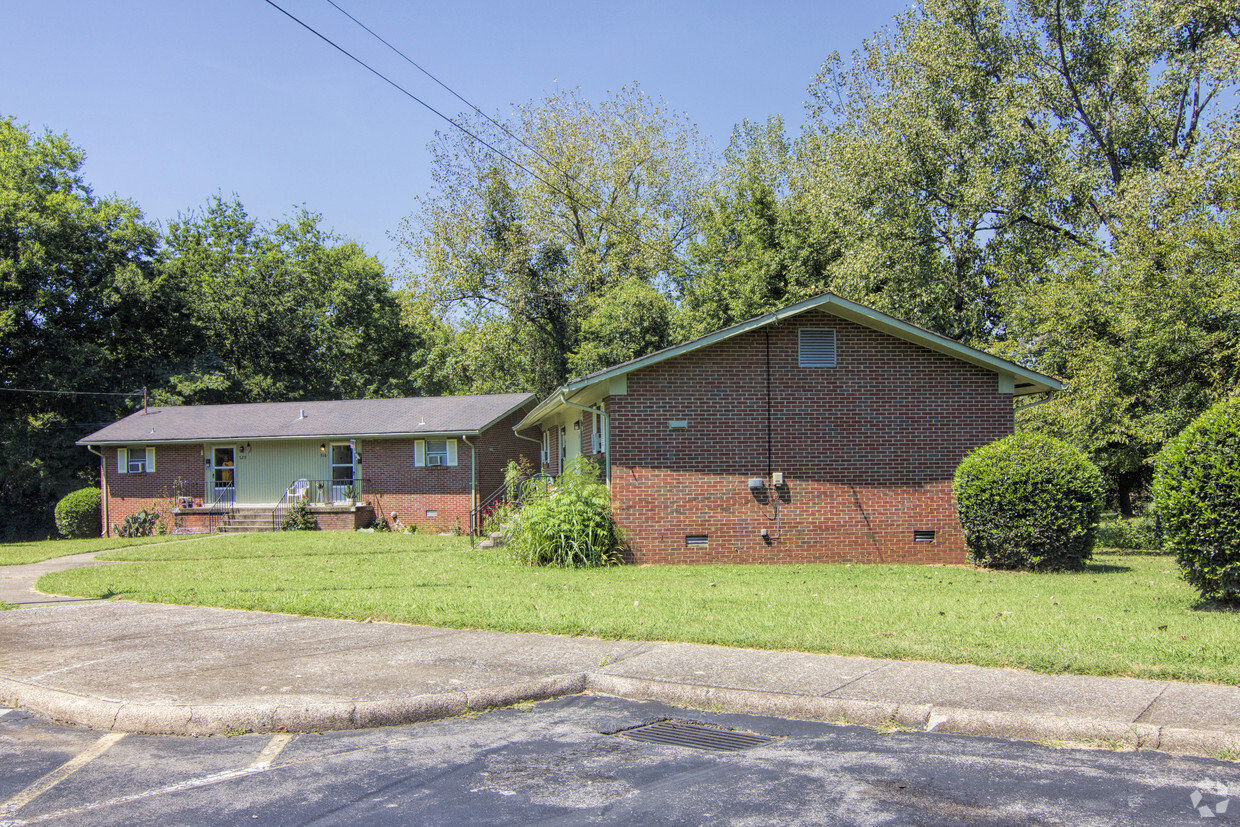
x,y
232,467
823,432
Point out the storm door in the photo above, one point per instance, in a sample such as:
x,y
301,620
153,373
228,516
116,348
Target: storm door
x,y
224,475
342,472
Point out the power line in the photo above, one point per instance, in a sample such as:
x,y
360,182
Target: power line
x,y
409,94
573,200
71,393
452,91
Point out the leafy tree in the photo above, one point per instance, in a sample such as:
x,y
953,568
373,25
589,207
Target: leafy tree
x,y
286,313
964,151
74,270
627,322
759,249
583,198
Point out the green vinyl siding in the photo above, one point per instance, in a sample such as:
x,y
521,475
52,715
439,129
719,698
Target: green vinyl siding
x,y
266,470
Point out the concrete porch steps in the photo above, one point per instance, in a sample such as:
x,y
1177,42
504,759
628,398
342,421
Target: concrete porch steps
x,y
250,521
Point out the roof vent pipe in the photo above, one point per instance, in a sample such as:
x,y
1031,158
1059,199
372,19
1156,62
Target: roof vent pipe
x,y
301,414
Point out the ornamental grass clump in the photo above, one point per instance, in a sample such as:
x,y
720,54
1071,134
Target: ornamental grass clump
x,y
569,526
78,514
1197,498
1029,501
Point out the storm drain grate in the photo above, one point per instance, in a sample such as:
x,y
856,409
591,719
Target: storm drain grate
x,y
695,736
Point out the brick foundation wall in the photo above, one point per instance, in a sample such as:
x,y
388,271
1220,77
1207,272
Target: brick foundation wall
x,y
867,449
178,470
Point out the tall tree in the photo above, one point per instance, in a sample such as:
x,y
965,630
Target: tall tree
x,y
289,312
759,249
574,200
74,270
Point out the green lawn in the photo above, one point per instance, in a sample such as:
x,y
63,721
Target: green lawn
x,y
1128,614
16,554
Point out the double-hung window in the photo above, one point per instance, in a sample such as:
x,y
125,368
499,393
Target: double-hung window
x,y
136,460
434,452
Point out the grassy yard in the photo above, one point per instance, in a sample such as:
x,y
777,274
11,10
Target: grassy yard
x,y
16,554
1128,614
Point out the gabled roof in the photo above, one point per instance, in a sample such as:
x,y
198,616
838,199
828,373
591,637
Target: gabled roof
x,y
1025,381
433,415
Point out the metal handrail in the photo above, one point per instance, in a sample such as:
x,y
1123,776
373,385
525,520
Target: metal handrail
x,y
478,515
216,515
315,492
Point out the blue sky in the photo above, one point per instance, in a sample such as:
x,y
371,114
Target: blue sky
x,y
175,101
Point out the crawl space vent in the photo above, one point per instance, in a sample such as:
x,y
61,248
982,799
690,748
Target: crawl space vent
x,y
817,348
923,535
695,541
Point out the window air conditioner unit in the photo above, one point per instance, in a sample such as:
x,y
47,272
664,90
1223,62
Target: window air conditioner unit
x,y
434,459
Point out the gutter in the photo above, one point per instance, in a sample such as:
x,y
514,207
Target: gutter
x,y
473,483
103,467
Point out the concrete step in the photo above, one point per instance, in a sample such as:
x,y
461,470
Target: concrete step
x,y
246,529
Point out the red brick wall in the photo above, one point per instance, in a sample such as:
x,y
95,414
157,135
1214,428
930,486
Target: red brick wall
x,y
397,485
497,446
867,449
178,469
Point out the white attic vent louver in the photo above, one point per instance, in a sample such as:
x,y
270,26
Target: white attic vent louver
x,y
817,348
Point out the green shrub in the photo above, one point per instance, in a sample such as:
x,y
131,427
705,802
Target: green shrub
x,y
300,518
569,526
1197,497
1028,501
78,514
1139,532
138,525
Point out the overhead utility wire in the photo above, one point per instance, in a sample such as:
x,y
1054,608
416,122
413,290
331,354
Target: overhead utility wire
x,y
407,93
452,91
410,95
71,393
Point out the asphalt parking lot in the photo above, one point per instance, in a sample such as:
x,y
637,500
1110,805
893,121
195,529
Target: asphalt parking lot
x,y
571,761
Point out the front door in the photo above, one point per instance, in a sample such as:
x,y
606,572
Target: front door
x,y
224,475
342,472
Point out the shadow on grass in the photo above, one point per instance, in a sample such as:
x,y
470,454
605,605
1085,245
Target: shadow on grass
x,y
1133,552
1215,607
1104,568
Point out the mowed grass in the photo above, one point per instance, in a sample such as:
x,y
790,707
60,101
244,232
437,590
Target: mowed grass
x,y
16,554
1128,614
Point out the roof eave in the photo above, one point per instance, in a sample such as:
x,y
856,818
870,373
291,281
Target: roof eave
x,y
188,440
874,319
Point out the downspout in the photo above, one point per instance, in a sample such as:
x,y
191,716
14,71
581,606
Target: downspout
x,y
473,485
103,467
606,428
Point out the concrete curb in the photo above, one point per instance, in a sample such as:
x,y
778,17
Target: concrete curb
x,y
925,717
225,719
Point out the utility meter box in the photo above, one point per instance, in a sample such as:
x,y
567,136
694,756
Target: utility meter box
x,y
777,478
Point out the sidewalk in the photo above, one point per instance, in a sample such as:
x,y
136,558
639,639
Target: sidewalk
x,y
198,671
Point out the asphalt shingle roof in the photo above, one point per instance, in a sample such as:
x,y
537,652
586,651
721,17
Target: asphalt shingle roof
x,y
267,420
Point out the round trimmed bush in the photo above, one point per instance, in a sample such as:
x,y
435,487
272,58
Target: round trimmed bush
x,y
1197,497
1029,501
78,514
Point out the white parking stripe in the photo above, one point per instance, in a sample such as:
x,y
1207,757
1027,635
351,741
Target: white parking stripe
x,y
59,774
272,751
